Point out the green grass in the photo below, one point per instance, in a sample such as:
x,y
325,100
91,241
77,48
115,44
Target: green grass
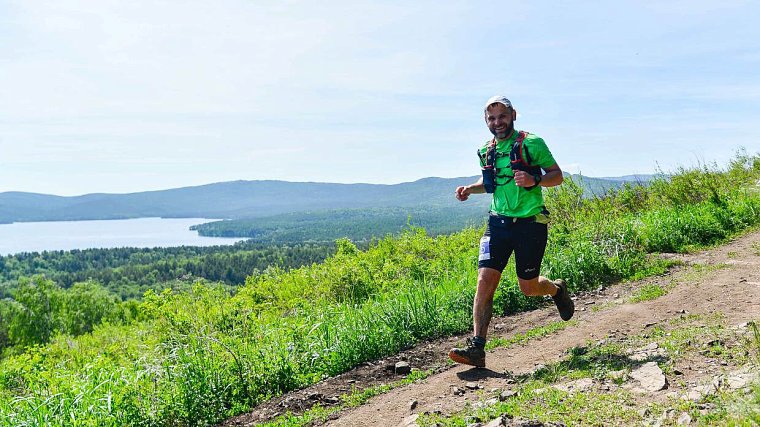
x,y
647,293
740,409
533,333
710,338
653,291
755,341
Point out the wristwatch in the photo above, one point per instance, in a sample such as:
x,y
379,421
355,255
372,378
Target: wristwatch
x,y
537,177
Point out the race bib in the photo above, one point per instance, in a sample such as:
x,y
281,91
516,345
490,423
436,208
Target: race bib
x,y
485,248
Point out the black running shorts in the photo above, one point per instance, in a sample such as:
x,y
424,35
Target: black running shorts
x,y
525,237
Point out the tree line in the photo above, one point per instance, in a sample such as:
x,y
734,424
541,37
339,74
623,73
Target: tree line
x,y
356,224
129,272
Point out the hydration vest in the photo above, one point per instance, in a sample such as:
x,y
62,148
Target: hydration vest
x,y
516,162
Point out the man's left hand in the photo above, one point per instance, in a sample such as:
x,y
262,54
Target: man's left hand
x,y
524,179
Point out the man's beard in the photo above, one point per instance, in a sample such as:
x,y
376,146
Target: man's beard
x,y
505,133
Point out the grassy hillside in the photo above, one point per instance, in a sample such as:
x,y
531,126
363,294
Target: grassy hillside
x,y
195,358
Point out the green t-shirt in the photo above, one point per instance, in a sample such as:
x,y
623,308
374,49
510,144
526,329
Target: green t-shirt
x,y
508,198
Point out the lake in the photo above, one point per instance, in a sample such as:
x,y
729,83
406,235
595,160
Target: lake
x,y
141,233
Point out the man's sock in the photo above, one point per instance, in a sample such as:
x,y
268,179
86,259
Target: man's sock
x,y
479,341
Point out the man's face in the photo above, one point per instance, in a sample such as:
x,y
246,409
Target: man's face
x,y
500,120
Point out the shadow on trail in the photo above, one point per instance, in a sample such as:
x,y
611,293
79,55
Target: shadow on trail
x,y
477,374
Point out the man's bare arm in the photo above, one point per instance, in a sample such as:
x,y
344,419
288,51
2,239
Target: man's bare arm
x,y
552,177
462,193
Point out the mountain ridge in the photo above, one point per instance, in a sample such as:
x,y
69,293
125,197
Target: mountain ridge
x,y
243,199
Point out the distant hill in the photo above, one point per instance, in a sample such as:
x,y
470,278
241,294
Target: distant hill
x,y
246,199
237,199
599,186
642,178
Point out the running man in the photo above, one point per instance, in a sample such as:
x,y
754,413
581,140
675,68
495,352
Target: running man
x,y
515,165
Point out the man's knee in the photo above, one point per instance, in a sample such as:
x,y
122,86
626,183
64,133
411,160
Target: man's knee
x,y
488,278
488,274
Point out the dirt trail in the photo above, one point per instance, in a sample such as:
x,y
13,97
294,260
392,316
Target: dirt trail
x,y
732,288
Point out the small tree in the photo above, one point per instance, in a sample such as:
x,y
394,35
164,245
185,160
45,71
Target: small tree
x,y
85,305
33,317
4,320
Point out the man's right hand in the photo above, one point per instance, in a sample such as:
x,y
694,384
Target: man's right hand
x,y
462,193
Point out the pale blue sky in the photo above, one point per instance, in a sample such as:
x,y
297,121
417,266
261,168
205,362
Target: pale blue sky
x,y
121,96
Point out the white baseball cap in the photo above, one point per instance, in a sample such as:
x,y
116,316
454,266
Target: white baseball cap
x,y
500,99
